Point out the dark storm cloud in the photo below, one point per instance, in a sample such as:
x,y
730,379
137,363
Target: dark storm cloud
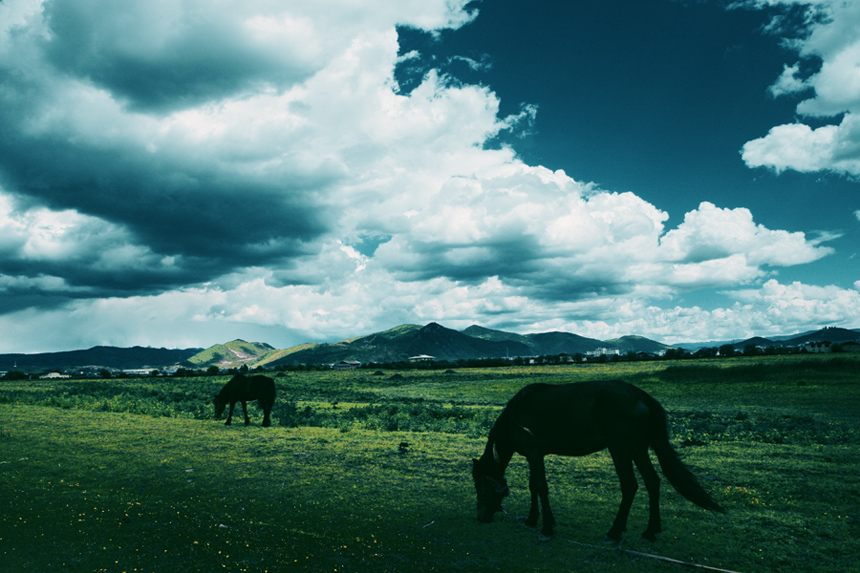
x,y
473,263
166,62
177,210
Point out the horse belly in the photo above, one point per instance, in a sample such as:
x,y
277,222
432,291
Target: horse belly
x,y
576,441
580,448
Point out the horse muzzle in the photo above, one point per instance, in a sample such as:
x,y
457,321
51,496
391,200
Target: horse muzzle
x,y
486,514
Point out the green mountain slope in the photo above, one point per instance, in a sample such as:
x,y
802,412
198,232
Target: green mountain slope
x,y
403,342
544,343
231,355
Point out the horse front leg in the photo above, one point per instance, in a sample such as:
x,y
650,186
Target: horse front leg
x,y
624,468
245,411
539,489
267,410
230,414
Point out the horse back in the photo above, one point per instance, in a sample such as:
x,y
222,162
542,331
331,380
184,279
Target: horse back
x,y
578,419
245,388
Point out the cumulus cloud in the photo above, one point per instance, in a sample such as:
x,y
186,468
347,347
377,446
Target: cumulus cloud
x,y
831,37
178,174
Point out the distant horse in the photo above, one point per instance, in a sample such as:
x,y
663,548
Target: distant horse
x,y
577,420
243,388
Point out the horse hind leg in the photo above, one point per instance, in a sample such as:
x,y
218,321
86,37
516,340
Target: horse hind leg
x,y
624,468
267,410
534,509
230,414
245,411
652,485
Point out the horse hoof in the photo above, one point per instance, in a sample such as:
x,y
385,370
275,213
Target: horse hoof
x,y
612,540
648,536
543,538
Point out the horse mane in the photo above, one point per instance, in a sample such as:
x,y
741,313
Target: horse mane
x,y
497,439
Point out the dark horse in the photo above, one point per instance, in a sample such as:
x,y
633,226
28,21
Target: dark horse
x,y
576,420
243,388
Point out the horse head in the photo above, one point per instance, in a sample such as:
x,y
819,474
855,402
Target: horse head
x,y
219,406
491,489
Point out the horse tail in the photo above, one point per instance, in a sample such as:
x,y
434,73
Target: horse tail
x,y
681,478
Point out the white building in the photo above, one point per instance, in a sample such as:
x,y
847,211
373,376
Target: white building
x,y
53,376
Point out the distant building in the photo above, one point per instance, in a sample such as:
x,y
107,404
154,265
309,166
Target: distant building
x,y
604,352
138,371
53,376
818,347
346,365
422,358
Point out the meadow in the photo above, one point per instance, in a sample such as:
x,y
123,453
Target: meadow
x,y
370,471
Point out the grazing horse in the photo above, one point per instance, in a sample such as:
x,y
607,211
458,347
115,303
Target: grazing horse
x,y
577,420
243,388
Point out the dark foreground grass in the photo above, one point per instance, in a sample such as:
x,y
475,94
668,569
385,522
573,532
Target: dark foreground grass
x,y
103,491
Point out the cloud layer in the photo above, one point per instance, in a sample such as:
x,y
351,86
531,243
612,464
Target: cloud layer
x,y
173,174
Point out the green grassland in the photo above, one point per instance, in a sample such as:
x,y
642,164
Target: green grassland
x,y
370,471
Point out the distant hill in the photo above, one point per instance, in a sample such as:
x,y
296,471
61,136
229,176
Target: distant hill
x,y
234,354
562,343
403,342
756,341
830,334
384,346
399,344
98,356
476,331
636,344
551,343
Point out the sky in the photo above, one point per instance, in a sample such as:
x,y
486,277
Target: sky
x,y
181,173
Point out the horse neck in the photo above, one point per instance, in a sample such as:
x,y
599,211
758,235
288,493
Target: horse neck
x,y
498,451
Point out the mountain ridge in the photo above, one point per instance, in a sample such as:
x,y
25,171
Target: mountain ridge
x,y
392,345
136,357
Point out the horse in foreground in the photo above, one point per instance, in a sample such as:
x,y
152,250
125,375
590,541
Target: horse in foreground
x,y
243,388
577,420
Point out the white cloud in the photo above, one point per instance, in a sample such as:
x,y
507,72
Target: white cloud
x,y
797,146
711,233
833,37
789,82
68,238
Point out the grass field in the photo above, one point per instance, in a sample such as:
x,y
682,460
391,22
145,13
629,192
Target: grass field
x,y
135,475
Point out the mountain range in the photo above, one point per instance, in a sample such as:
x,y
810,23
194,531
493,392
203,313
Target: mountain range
x,y
97,357
394,345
